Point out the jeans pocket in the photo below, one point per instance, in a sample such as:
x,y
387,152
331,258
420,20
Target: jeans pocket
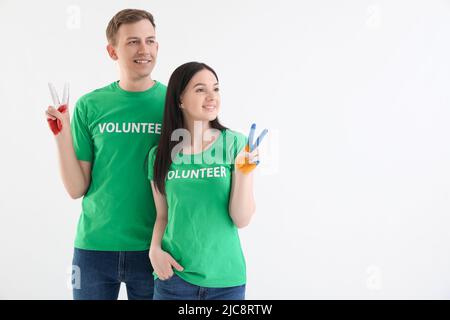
x,y
167,280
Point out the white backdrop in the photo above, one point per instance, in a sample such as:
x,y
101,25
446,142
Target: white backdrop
x,y
353,195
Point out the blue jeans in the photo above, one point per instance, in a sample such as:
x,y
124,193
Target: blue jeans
x,y
97,275
176,288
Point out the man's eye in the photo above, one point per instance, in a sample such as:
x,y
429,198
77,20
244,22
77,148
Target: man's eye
x,y
132,42
216,89
151,41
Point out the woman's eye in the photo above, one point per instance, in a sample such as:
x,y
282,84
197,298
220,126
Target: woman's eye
x,y
199,90
132,42
216,89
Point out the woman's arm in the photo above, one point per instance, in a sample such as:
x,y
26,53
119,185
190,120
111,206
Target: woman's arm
x,y
161,261
242,203
161,218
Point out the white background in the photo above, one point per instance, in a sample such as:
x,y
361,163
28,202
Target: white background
x,y
353,199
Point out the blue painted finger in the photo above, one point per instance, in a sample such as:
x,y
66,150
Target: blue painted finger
x,y
260,138
251,137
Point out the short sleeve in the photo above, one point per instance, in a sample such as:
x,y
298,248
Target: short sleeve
x,y
82,138
239,142
151,162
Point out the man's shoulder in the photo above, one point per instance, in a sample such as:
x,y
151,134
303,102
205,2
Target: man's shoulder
x,y
159,89
161,86
97,93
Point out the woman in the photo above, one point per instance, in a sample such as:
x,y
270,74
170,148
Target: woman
x,y
201,198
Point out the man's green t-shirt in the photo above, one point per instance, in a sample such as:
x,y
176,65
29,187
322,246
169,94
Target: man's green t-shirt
x,y
200,234
114,129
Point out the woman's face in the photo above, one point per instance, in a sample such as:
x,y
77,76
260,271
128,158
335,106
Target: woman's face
x,y
200,100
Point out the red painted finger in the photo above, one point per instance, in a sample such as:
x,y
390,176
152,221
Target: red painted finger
x,y
56,125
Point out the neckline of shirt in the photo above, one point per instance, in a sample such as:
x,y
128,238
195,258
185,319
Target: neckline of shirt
x,y
136,93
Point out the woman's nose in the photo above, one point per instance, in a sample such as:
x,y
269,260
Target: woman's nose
x,y
212,95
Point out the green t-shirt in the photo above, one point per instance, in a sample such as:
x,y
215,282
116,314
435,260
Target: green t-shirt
x,y
114,129
200,233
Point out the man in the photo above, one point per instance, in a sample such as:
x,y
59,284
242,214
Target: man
x,y
102,156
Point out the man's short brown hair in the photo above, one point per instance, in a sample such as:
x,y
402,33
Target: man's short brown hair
x,y
123,17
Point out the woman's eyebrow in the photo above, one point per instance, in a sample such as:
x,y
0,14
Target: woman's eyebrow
x,y
202,84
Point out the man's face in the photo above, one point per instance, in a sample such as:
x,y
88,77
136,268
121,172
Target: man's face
x,y
135,49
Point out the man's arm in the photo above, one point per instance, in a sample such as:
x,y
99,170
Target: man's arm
x,y
76,174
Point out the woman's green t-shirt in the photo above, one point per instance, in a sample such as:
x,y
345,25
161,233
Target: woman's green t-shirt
x,y
200,234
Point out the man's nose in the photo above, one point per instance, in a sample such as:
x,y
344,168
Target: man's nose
x,y
143,48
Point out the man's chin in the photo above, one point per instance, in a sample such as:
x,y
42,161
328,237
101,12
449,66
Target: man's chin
x,y
143,75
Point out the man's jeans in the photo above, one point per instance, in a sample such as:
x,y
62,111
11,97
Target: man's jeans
x,y
97,275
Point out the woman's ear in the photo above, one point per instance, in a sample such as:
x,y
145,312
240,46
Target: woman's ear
x,y
181,103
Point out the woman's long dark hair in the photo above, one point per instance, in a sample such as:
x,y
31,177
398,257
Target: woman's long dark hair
x,y
173,119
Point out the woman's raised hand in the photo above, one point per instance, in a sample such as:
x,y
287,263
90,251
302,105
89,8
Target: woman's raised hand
x,y
247,160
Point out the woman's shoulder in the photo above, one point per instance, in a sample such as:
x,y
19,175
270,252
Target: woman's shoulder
x,y
235,138
235,134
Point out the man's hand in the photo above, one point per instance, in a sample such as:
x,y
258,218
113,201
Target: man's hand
x,y
58,118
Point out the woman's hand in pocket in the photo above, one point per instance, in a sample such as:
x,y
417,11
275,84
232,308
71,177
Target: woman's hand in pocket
x,y
162,263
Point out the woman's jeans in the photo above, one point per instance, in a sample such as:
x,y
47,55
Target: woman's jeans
x,y
176,288
97,275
